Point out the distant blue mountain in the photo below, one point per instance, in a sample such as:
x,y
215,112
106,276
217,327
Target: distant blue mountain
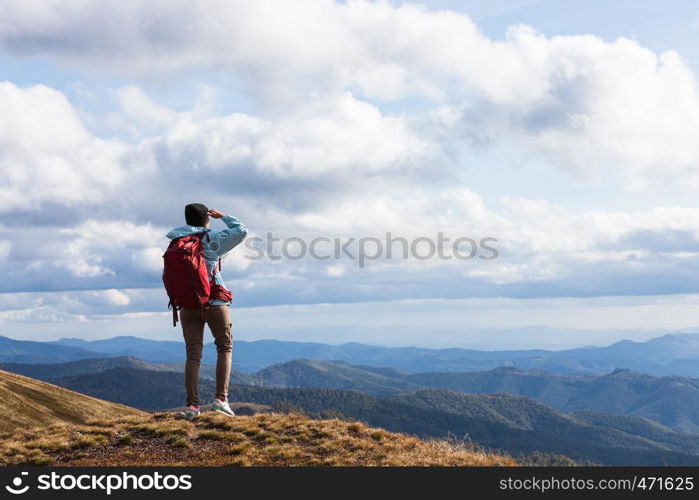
x,y
156,351
50,371
672,401
672,354
28,351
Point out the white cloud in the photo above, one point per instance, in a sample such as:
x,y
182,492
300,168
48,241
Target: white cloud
x,y
609,106
283,47
111,297
150,258
335,135
142,114
5,247
48,155
97,248
335,271
355,110
580,102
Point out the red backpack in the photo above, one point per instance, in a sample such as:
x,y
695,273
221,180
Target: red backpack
x,y
185,276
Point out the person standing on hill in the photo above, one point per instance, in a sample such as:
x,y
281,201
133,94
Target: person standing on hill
x,y
192,279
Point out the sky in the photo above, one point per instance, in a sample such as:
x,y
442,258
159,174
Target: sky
x,y
564,131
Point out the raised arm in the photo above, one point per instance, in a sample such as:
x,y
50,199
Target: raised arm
x,y
228,238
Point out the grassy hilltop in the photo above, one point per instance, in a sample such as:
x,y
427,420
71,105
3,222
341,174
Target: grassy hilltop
x,y
27,402
45,424
212,439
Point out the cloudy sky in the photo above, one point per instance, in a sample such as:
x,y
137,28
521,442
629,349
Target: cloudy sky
x,y
567,130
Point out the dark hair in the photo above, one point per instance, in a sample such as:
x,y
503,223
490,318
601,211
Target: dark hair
x,y
196,214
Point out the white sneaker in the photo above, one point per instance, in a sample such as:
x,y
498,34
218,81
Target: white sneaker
x,y
222,407
190,412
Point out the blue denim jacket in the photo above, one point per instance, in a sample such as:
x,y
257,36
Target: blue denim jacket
x,y
216,244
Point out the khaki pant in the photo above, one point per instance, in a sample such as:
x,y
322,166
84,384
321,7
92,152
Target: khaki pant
x,y
219,320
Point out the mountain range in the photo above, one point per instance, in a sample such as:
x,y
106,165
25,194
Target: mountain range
x,y
515,424
671,354
672,401
618,416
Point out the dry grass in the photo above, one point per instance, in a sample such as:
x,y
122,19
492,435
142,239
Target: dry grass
x,y
28,402
213,439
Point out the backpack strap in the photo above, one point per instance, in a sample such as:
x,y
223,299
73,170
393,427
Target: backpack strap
x,y
174,308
